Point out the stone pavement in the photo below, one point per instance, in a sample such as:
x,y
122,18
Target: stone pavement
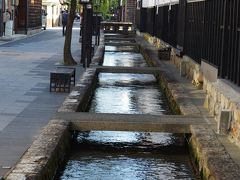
x,y
26,105
15,37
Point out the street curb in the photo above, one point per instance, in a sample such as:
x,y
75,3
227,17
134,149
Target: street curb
x,y
4,41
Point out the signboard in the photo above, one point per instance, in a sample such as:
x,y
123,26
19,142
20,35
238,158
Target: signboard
x,y
166,2
152,3
138,4
148,3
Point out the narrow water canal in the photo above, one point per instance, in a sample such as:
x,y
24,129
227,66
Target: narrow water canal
x,y
114,155
128,94
123,56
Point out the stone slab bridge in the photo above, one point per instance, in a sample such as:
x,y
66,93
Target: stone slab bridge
x,y
85,121
81,121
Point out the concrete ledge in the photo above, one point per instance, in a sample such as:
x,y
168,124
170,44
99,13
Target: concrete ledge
x,y
99,54
114,38
120,44
137,70
34,31
79,97
128,122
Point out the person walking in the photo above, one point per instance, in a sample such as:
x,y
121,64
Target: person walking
x,y
64,21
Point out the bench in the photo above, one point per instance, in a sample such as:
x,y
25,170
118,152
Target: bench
x,y
61,79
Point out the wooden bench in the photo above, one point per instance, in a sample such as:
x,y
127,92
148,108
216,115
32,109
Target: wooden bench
x,y
61,79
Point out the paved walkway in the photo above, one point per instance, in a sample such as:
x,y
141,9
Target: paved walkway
x,y
26,105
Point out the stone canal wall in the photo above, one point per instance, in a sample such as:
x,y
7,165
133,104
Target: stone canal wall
x,y
208,153
46,154
221,95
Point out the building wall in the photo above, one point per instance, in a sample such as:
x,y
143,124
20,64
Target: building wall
x,y
28,16
53,9
34,14
131,10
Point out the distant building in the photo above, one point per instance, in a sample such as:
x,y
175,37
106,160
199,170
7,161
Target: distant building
x,y
53,9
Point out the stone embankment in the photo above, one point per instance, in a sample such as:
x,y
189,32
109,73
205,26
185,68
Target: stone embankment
x,y
212,158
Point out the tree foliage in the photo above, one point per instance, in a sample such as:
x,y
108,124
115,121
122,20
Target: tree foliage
x,y
106,7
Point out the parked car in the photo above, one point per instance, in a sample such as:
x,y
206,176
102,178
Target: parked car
x,y
44,19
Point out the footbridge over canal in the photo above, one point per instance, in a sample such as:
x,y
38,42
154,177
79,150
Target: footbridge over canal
x,y
81,121
85,121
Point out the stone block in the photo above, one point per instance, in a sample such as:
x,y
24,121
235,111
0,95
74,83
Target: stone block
x,y
224,121
164,53
209,72
183,68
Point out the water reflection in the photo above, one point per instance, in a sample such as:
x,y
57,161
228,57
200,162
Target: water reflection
x,y
94,165
143,141
121,48
128,155
128,94
128,59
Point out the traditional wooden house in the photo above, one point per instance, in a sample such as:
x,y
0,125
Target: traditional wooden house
x,y
28,16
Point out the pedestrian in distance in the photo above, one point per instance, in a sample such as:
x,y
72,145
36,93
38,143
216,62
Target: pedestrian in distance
x,y
6,17
64,21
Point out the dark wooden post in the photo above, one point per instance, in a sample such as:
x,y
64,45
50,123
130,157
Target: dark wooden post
x,y
86,54
1,18
181,25
223,47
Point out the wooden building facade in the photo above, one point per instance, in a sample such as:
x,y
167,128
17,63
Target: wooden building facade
x,y
28,16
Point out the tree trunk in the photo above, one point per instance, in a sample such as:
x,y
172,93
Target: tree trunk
x,y
68,59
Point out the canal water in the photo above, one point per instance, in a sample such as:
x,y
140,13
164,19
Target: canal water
x,y
128,94
126,56
111,155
